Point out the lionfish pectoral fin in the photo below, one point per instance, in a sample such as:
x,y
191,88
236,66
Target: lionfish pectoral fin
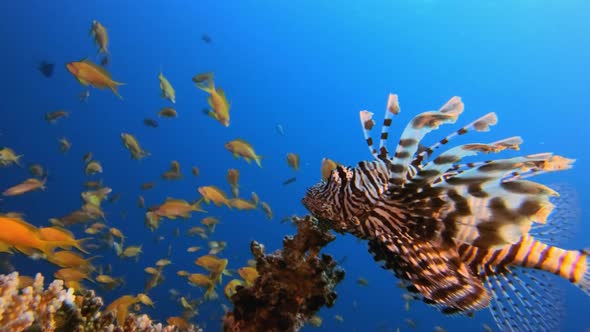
x,y
418,127
437,274
487,212
524,300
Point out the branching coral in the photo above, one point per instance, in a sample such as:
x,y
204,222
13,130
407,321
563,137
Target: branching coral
x,y
19,310
58,309
294,283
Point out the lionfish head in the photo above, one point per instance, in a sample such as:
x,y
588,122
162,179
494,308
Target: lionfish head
x,y
315,201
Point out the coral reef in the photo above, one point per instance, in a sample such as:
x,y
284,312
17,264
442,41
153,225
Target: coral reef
x,y
58,309
294,283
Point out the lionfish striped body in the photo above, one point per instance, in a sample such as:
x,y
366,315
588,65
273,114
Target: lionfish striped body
x,y
459,235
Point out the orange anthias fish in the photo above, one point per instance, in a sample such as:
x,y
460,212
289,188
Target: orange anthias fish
x,y
121,307
9,157
233,175
249,274
215,195
23,236
63,237
100,35
206,282
242,204
89,73
328,165
239,147
173,208
179,322
24,187
293,161
71,259
217,101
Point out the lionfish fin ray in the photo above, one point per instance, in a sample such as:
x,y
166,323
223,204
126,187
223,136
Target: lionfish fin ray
x,y
437,274
563,221
368,123
481,124
524,300
447,161
418,127
391,110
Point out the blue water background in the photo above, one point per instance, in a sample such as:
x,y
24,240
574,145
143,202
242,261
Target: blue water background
x,y
309,66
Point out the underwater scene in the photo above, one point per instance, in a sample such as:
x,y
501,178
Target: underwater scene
x,y
388,165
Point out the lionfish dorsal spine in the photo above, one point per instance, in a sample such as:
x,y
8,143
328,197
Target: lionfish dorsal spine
x,y
481,124
418,127
391,110
368,123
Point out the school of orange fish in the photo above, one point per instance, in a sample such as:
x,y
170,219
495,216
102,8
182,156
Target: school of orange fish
x,y
59,246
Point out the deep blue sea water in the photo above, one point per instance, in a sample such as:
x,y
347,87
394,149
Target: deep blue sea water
x,y
309,66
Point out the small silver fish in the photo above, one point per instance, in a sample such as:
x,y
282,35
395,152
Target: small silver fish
x,y
280,129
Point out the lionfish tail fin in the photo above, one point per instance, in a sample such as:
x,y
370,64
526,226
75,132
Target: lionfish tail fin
x,y
572,265
524,300
418,127
584,282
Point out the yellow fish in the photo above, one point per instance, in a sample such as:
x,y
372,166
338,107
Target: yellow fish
x,y
215,195
239,147
71,259
133,146
204,281
93,167
293,161
89,73
249,274
231,288
217,101
121,307
100,35
328,165
167,89
242,204
145,299
8,157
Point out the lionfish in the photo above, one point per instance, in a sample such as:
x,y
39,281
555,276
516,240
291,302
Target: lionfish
x,y
461,236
